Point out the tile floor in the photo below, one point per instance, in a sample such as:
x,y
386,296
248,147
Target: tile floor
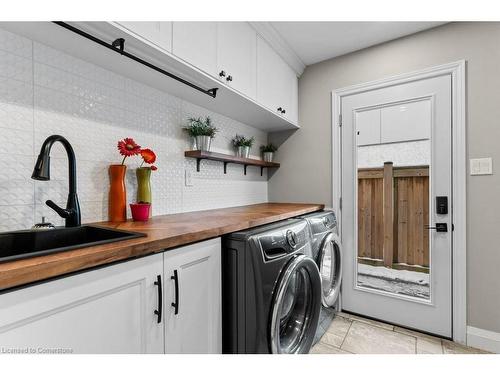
x,y
351,334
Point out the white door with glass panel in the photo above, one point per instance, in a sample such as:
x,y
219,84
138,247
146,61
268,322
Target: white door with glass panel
x,y
396,197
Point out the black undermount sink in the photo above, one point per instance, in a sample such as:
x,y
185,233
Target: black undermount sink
x,y
31,243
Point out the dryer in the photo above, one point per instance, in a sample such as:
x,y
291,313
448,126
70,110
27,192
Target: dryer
x,y
327,251
271,289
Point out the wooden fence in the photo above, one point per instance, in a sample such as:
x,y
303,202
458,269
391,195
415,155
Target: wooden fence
x,y
393,212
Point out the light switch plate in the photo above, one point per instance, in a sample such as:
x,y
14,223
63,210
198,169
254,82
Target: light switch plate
x,y
482,166
188,177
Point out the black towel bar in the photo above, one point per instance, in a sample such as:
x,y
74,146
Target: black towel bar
x,y
119,46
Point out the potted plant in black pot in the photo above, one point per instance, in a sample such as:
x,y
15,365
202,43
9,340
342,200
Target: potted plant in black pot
x,y
242,145
268,152
201,132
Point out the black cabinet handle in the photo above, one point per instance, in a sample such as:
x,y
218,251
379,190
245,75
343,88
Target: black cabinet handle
x,y
222,73
160,298
283,111
229,78
176,303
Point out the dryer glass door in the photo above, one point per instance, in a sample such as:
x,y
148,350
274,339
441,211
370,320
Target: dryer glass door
x,y
296,307
330,268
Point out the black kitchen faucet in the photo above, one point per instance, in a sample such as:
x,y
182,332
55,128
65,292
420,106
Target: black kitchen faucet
x,y
41,172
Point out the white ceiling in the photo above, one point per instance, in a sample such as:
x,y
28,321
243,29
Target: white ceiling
x,y
313,42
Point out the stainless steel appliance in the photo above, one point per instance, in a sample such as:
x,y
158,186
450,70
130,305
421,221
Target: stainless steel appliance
x,y
327,251
271,289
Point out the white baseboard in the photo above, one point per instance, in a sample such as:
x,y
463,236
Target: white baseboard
x,y
483,339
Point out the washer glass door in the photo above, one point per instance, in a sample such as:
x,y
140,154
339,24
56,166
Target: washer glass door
x,y
330,268
296,307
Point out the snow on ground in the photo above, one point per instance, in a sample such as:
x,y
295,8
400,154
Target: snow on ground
x,y
390,274
409,283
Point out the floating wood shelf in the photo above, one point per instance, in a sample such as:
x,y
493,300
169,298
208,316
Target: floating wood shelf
x,y
227,159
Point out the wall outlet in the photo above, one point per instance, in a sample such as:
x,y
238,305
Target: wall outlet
x,y
188,181
483,166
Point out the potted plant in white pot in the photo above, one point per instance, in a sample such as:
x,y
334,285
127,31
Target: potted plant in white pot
x,y
268,152
201,132
242,145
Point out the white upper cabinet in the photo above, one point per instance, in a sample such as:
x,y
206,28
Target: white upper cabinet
x,y
406,122
276,82
193,322
368,127
109,310
237,56
158,33
260,82
396,123
293,113
196,43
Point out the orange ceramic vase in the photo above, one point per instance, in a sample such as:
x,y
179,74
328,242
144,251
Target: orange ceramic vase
x,y
117,209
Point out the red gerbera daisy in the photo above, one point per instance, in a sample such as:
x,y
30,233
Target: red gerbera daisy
x,y
128,147
148,156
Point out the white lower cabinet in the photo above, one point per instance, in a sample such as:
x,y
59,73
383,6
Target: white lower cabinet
x,y
193,298
116,309
109,310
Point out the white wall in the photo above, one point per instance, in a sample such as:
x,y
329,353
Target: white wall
x,y
44,91
305,174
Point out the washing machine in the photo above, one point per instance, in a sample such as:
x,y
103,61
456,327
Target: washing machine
x,y
327,251
271,289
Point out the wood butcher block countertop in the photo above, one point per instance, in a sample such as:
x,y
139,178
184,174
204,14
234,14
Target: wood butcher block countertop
x,y
163,233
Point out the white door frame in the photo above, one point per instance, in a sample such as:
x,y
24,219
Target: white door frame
x,y
459,173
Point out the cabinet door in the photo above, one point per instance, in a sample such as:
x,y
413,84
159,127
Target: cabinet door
x,y
237,56
158,33
196,43
193,284
110,310
368,127
275,81
293,113
406,122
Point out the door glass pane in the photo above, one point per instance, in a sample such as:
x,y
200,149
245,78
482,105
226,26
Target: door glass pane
x,y
393,160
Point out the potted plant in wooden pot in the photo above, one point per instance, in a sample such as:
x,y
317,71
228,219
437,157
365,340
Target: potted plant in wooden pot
x,y
268,152
242,145
201,132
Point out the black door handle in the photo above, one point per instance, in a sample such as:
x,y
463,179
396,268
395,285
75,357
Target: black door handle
x,y
175,304
440,227
160,298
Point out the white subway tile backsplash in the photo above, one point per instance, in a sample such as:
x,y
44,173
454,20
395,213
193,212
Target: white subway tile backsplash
x,y
16,192
15,217
16,44
15,67
44,91
16,116
16,168
17,142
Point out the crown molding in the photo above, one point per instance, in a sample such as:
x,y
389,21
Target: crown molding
x,y
271,36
